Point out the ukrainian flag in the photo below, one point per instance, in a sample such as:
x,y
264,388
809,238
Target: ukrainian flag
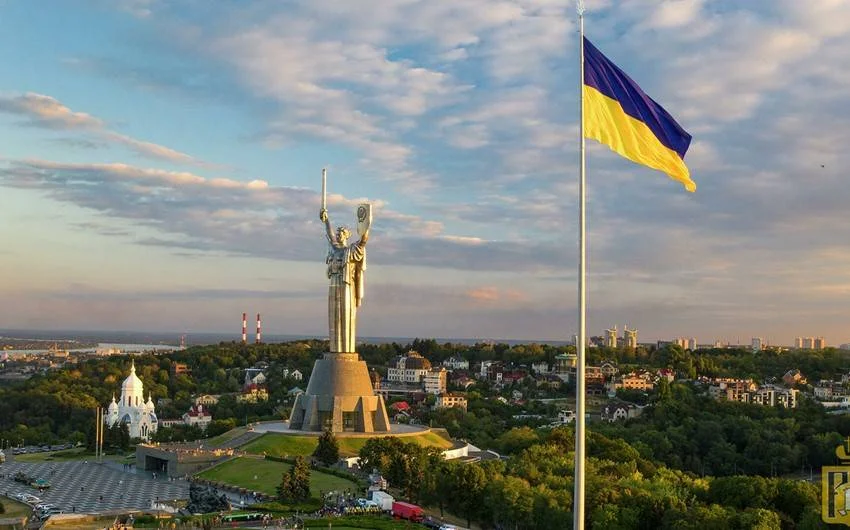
x,y
619,114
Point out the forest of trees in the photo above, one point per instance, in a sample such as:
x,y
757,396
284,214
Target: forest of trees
x,y
534,488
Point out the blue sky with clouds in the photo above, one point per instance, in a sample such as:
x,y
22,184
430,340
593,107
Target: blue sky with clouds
x,y
160,166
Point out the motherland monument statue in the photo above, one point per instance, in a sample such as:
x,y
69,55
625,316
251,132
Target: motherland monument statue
x,y
339,396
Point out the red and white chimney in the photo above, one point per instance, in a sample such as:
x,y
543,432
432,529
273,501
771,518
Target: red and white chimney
x,y
259,329
244,328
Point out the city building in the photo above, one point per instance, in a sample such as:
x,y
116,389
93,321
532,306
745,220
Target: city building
x,y
635,381
565,366
180,369
541,367
197,415
207,399
685,343
630,337
757,344
445,401
810,343
609,369
620,410
410,368
253,394
456,362
611,337
254,376
139,415
435,381
793,377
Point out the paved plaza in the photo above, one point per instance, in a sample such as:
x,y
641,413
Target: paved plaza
x,y
80,486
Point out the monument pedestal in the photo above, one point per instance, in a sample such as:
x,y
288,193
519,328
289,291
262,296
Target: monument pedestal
x,y
340,398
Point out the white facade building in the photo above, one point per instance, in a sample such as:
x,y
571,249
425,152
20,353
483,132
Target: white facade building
x,y
132,409
456,362
435,381
410,368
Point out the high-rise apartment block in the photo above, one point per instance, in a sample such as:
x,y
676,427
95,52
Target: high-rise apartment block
x,y
611,337
810,343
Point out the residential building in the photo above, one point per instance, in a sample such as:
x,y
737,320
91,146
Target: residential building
x,y
484,367
253,394
793,377
666,373
254,376
180,369
611,337
684,342
541,367
771,396
296,375
757,344
798,343
445,401
732,389
410,368
629,337
435,381
819,343
609,369
207,399
636,381
810,343
620,411
565,366
197,415
456,362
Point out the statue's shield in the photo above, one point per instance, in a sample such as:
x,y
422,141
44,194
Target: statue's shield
x,y
364,218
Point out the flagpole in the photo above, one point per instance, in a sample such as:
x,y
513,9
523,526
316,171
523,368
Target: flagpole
x,y
578,495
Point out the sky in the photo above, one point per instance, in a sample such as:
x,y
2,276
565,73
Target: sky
x,y
160,166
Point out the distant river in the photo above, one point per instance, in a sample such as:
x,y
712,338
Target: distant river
x,y
123,348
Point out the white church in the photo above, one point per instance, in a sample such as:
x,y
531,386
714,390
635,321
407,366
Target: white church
x,y
132,409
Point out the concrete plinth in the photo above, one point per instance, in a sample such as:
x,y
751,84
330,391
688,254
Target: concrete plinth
x,y
340,397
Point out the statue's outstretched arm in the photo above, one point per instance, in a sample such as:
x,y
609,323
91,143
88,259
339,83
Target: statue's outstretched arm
x,y
364,238
323,215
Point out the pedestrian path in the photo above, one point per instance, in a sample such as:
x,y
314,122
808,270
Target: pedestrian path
x,y
88,487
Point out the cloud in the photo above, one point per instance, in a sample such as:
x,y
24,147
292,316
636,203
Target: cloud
x,y
493,295
45,111
49,113
190,212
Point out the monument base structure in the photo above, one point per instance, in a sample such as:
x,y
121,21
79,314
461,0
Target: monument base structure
x,y
340,398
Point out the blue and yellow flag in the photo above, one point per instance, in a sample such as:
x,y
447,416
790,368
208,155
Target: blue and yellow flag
x,y
619,114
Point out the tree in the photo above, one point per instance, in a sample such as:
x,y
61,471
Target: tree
x,y
466,488
295,484
284,489
2,508
300,479
327,452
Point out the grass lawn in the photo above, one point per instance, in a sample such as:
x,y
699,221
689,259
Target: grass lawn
x,y
264,475
275,444
282,445
79,453
14,508
226,437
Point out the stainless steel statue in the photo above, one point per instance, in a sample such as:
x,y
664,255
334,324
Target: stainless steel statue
x,y
340,396
346,267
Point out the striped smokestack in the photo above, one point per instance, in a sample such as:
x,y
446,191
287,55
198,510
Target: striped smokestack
x,y
244,328
259,329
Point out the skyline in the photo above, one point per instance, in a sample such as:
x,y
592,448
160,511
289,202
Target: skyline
x,y
162,160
